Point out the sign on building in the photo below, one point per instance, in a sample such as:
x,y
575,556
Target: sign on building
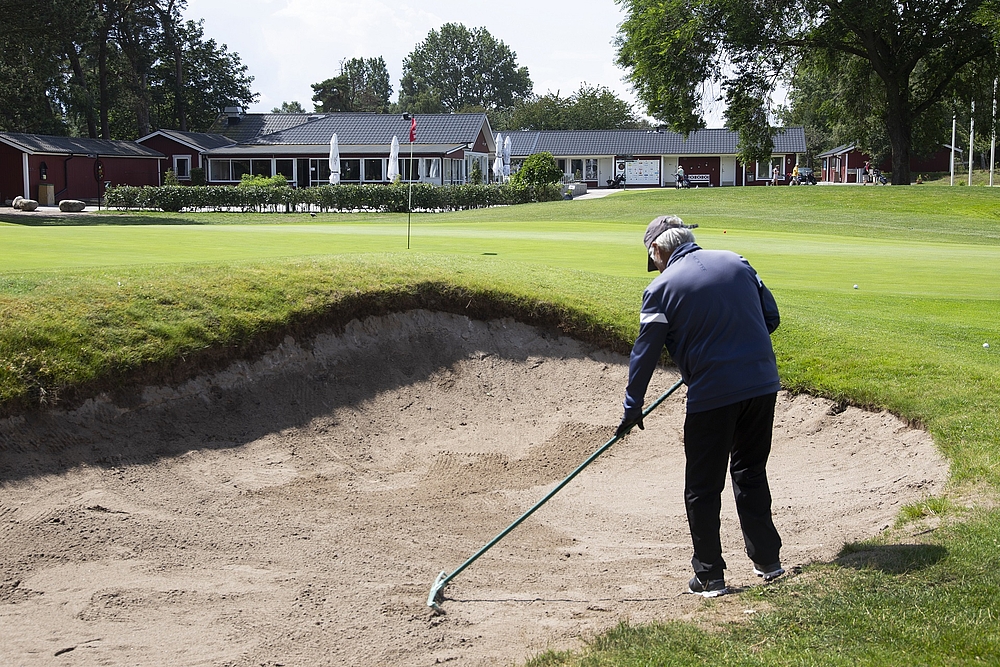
x,y
642,172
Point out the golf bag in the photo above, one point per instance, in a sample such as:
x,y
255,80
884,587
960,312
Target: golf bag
x,y
878,178
681,181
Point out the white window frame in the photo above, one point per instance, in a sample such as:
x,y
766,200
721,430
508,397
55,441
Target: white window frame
x,y
178,160
775,161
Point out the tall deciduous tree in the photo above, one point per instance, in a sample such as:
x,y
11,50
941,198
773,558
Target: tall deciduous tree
x,y
589,108
362,85
916,53
455,69
112,68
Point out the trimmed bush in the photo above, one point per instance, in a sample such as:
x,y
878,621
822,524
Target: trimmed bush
x,y
259,195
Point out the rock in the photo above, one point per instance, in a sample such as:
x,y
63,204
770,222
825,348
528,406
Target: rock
x,y
71,205
23,204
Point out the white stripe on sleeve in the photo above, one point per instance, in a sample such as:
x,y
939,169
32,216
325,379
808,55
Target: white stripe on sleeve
x,y
650,318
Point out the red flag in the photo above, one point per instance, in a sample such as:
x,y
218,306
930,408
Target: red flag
x,y
413,129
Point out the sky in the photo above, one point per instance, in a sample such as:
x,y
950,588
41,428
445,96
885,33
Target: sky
x,y
290,44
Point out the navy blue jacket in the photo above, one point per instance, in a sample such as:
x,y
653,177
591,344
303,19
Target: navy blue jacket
x,y
715,316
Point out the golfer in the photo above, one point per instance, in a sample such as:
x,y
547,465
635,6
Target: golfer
x,y
714,315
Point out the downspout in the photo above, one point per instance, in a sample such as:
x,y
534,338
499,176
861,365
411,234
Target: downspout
x,y
65,175
24,168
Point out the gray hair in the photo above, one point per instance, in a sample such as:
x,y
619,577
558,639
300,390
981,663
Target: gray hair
x,y
671,239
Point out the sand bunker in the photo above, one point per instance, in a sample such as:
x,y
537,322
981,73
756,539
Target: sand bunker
x,y
297,510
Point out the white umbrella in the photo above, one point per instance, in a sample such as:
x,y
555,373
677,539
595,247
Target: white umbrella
x,y
393,170
498,163
506,156
334,160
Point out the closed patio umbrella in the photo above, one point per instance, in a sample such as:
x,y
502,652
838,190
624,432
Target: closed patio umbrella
x,y
334,160
506,156
498,163
393,171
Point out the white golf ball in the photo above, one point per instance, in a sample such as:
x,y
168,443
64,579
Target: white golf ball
x,y
855,287
986,345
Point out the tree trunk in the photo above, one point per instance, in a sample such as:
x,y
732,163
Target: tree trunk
x,y
899,126
88,98
179,101
103,94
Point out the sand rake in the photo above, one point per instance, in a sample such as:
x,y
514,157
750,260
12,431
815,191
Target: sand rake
x,y
436,596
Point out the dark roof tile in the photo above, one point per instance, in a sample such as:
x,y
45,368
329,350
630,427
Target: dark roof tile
x,y
40,143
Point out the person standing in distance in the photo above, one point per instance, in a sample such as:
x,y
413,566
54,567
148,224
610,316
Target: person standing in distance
x,y
714,315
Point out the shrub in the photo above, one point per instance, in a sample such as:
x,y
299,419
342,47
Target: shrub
x,y
198,176
539,169
170,178
253,195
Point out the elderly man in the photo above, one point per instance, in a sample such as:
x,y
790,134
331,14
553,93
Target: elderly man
x,y
714,315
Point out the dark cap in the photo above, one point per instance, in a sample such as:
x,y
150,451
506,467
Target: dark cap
x,y
657,227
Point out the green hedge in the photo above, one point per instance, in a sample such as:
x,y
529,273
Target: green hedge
x,y
341,198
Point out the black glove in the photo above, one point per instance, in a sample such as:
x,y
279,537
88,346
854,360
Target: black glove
x,y
627,424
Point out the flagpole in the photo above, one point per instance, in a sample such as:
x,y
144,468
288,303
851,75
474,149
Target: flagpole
x,y
409,194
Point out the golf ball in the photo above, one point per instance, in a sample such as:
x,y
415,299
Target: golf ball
x,y
855,287
986,346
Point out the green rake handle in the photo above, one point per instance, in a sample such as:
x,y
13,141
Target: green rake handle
x,y
437,591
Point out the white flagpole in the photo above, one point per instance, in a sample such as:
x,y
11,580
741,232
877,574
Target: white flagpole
x,y
953,149
972,132
993,140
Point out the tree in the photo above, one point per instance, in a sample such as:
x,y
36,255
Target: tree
x,y
112,68
29,69
590,108
212,78
362,85
289,107
456,69
539,169
918,53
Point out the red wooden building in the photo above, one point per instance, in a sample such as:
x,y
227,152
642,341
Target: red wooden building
x,y
35,166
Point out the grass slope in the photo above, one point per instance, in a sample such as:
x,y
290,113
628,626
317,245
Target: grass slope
x,y
140,296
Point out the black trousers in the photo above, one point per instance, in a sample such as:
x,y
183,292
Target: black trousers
x,y
738,435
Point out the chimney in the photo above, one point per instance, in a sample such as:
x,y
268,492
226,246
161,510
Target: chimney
x,y
233,114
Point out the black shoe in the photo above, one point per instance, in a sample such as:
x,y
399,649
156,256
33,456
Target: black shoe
x,y
707,589
768,572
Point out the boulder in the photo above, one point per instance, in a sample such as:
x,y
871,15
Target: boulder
x,y
22,204
71,205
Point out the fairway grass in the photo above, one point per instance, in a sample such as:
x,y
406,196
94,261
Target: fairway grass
x,y
94,307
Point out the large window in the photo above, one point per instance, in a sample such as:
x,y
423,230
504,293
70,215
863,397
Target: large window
x,y
219,170
458,171
409,169
261,168
319,171
350,171
240,167
577,168
229,170
373,169
590,169
766,167
432,167
286,168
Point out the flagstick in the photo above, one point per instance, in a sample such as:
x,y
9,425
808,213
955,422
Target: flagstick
x,y
409,196
409,192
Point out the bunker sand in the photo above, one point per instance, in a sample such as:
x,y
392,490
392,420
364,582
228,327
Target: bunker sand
x,y
297,509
